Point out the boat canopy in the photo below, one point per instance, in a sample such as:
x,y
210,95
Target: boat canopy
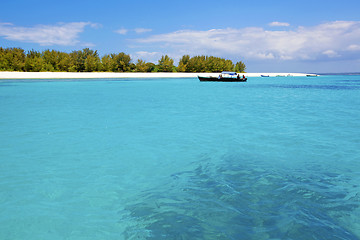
x,y
229,73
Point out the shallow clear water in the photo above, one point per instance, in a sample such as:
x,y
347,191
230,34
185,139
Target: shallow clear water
x,y
273,158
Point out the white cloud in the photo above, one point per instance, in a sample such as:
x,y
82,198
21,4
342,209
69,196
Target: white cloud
x,y
328,40
354,47
96,25
65,34
122,31
279,24
148,56
331,53
142,30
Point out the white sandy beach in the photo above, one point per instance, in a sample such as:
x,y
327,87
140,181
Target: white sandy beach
x,y
92,75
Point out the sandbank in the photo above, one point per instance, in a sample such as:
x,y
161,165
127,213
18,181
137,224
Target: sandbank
x,y
105,75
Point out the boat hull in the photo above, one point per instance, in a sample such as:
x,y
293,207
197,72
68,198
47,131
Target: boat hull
x,y
216,79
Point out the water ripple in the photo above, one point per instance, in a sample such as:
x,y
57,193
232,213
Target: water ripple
x,y
239,199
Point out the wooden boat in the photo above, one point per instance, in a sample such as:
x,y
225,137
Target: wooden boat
x,y
224,77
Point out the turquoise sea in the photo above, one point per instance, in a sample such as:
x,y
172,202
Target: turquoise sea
x,y
272,158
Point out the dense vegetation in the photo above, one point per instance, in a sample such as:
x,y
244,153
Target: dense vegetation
x,y
87,60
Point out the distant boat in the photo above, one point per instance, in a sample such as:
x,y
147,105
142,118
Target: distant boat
x,y
312,75
265,75
224,77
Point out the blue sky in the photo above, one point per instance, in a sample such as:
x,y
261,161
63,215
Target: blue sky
x,y
269,36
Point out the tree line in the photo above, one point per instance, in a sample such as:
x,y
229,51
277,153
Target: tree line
x,y
87,60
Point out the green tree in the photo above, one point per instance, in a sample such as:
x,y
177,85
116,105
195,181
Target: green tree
x,y
166,64
141,66
120,62
214,64
56,60
64,62
196,64
183,63
150,67
106,63
15,59
50,58
85,60
77,61
132,67
3,60
12,59
33,61
92,63
18,59
228,65
240,67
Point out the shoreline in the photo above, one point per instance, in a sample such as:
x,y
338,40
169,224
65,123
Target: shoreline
x,y
106,75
